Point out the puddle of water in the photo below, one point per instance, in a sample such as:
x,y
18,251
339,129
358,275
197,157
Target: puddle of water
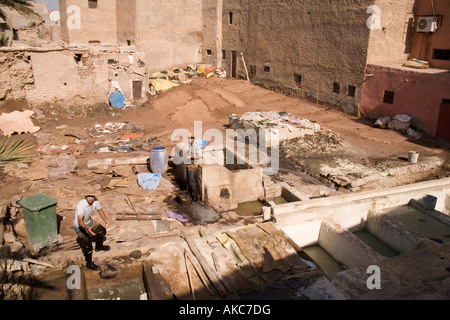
x,y
130,290
323,259
376,244
128,284
249,209
279,200
253,208
422,223
55,289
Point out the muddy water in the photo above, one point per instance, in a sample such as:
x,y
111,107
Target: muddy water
x,y
133,289
376,244
323,259
128,284
279,200
422,223
249,209
253,208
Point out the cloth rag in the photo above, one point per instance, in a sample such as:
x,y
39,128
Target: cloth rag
x,y
177,216
149,181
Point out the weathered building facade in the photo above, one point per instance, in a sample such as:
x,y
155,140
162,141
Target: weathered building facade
x,y
348,54
389,87
169,33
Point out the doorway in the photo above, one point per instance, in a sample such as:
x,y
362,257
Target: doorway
x,y
137,90
443,127
233,64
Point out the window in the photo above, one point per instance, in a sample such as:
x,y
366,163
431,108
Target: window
x,y
336,87
92,4
78,56
267,68
351,91
445,101
441,54
298,79
388,97
230,17
224,54
253,69
208,52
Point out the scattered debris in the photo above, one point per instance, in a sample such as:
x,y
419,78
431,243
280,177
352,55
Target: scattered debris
x,y
108,271
417,64
324,141
62,166
400,122
136,254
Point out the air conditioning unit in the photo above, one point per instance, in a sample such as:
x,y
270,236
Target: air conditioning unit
x,y
427,24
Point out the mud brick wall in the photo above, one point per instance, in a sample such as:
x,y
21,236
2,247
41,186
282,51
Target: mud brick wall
x,y
58,76
16,75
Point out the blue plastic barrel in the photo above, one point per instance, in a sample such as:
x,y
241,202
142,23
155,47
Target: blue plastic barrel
x,y
158,160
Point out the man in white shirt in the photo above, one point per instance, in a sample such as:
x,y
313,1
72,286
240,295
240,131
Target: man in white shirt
x,y
89,230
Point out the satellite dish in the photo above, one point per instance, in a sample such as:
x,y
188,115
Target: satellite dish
x,y
55,16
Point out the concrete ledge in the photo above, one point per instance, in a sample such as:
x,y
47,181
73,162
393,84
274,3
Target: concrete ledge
x,y
394,233
302,220
392,197
345,247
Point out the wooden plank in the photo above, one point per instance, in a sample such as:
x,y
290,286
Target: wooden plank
x,y
268,251
158,287
250,241
283,247
199,272
188,271
42,263
209,271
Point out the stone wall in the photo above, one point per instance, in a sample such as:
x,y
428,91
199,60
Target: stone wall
x,y
95,24
169,32
16,75
314,50
81,77
58,76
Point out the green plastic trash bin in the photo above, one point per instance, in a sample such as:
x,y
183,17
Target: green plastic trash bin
x,y
39,213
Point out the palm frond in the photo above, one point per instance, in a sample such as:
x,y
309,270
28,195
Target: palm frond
x,y
11,150
24,7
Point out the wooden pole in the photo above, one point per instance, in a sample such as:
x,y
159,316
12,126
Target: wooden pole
x,y
189,275
200,274
245,66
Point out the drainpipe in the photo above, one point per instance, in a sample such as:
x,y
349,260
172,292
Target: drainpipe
x,y
219,33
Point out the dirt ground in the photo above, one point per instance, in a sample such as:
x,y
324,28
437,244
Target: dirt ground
x,y
351,154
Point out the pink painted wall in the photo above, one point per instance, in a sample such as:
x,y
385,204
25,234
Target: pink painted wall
x,y
423,44
418,94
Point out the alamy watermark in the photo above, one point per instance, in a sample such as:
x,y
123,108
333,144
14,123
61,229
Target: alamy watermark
x,y
374,21
374,280
74,280
237,147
